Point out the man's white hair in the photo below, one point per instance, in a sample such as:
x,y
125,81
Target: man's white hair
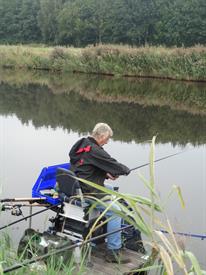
x,y
102,129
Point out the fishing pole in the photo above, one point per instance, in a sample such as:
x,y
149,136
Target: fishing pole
x,y
191,235
7,206
30,200
29,216
166,157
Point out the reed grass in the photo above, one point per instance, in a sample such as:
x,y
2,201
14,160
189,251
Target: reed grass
x,y
53,265
174,63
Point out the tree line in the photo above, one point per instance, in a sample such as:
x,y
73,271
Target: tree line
x,y
89,22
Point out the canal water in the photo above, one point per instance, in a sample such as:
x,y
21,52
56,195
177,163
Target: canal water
x,y
42,115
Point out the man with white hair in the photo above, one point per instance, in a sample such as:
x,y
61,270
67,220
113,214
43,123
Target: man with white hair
x,y
91,162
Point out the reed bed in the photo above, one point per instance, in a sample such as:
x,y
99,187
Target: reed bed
x,y
158,62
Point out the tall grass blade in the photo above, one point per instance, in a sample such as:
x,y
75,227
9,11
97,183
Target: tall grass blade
x,y
165,257
195,265
152,148
138,199
179,192
174,254
148,185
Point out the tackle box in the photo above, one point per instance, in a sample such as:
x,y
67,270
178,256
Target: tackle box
x,y
44,186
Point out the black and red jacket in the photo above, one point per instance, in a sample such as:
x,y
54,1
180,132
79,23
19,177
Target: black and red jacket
x,y
90,161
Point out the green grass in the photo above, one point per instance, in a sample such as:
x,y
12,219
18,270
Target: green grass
x,y
160,62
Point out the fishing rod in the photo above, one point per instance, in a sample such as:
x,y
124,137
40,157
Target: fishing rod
x,y
7,206
166,157
191,235
30,200
29,216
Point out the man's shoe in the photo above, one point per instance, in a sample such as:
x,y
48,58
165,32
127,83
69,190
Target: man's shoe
x,y
116,256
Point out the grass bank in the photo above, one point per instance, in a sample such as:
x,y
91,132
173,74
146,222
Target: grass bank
x,y
172,63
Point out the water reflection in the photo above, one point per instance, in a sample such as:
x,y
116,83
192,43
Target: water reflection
x,y
136,109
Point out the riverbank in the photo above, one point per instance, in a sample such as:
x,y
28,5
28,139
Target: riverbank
x,y
153,62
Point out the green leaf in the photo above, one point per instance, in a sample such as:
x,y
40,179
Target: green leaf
x,y
195,264
138,199
179,192
1,270
147,184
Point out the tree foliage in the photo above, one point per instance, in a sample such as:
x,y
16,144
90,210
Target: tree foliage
x,y
18,21
83,22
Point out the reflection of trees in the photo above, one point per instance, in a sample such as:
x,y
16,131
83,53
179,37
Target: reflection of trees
x,y
187,96
74,112
177,95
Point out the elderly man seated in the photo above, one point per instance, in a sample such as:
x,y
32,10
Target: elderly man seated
x,y
91,162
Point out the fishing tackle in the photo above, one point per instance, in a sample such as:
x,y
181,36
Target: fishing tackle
x,y
157,160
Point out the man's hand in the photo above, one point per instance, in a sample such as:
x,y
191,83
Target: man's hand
x,y
109,176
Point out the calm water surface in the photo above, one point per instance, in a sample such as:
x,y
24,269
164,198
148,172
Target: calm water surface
x,y
42,115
